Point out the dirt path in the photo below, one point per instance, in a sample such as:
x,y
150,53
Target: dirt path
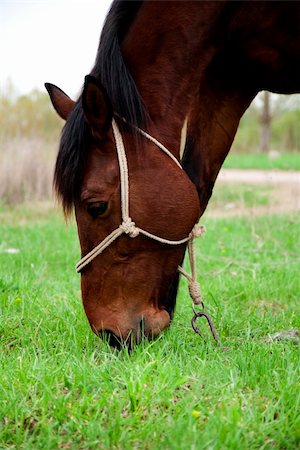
x,y
284,197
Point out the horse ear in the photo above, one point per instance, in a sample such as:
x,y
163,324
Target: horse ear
x,y
61,102
96,106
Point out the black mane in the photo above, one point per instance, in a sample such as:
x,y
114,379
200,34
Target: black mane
x,y
111,70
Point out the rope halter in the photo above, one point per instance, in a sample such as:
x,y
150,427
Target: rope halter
x,y
129,227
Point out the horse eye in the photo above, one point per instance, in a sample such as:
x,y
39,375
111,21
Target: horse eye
x,y
97,209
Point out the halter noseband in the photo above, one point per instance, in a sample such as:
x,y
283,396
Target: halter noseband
x,y
129,227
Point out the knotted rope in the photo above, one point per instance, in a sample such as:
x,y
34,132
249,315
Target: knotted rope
x,y
129,227
193,284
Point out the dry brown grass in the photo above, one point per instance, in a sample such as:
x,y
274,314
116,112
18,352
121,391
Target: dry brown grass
x,y
26,170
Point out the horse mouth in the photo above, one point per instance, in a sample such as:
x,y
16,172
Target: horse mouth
x,y
133,338
112,339
144,331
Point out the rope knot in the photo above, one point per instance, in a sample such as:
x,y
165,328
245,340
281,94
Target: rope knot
x,y
197,231
128,227
195,292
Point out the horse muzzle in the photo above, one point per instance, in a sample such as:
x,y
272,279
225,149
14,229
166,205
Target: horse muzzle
x,y
122,330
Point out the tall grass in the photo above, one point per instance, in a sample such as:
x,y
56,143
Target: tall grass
x,y
26,170
29,135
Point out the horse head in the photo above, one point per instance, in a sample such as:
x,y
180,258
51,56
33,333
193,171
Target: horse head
x,y
127,289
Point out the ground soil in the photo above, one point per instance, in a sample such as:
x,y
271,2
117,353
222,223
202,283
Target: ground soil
x,y
284,194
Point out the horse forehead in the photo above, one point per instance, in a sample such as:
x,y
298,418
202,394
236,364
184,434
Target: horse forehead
x,y
100,167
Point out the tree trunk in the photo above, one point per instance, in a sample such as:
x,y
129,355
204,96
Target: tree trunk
x,y
265,124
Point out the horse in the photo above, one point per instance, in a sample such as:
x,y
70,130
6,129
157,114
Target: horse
x,y
161,66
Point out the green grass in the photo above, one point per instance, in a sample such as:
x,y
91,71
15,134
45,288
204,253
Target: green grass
x,y
62,387
283,161
245,196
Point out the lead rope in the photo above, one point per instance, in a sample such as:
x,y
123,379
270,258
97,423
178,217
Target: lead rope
x,y
194,287
129,227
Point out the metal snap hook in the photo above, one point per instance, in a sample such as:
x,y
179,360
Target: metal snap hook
x,y
210,323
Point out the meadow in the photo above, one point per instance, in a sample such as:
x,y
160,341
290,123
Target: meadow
x,y
262,161
63,388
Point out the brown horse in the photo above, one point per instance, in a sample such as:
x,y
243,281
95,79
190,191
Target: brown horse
x,y
160,63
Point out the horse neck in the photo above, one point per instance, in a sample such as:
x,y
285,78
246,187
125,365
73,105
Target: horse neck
x,y
163,56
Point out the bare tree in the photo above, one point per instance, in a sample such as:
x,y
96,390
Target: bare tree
x,y
265,121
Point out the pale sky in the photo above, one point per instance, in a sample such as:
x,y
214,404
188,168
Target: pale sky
x,y
52,41
49,40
